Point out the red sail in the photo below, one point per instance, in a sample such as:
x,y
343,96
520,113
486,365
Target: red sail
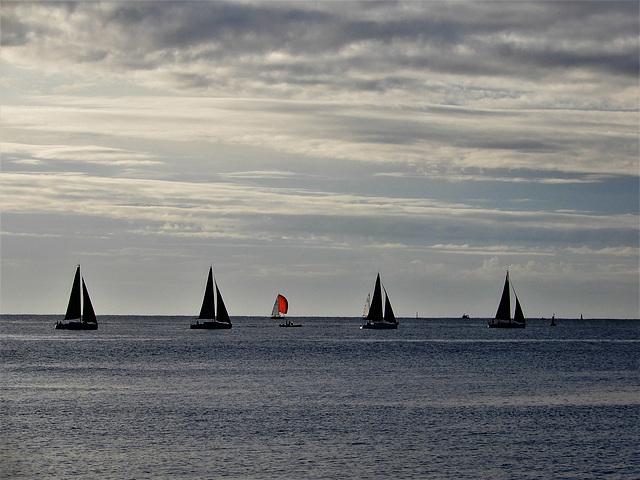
x,y
283,304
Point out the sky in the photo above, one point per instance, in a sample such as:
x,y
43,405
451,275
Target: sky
x,y
302,147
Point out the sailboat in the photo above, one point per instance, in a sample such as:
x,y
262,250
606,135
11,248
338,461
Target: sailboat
x,y
208,311
374,315
77,320
503,315
367,306
280,308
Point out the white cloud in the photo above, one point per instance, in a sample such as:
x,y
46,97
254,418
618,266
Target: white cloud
x,y
88,154
437,142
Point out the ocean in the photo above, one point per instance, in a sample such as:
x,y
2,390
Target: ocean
x,y
147,398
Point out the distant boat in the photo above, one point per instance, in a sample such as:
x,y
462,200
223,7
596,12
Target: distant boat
x,y
79,321
553,320
289,323
503,315
208,311
367,306
280,307
374,315
464,315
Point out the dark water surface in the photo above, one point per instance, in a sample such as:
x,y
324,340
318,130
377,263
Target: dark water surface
x,y
147,398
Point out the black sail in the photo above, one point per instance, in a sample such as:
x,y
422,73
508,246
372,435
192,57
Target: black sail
x,y
518,316
88,314
223,315
74,310
208,310
504,308
388,311
375,311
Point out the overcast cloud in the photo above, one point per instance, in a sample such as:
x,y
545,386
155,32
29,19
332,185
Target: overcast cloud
x,y
303,146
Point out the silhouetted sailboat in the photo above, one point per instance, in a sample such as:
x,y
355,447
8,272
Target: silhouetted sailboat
x,y
208,310
503,315
376,317
82,317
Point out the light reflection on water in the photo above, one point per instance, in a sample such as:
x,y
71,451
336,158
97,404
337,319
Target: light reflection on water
x,y
145,397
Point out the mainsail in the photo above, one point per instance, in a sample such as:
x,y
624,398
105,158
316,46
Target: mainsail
x,y
504,307
208,310
375,309
74,308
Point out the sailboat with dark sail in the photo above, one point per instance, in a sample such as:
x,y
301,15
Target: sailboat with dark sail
x,y
376,317
503,315
208,311
80,311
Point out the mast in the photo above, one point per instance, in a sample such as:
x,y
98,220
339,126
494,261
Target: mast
x,y
74,307
375,310
223,315
208,309
504,308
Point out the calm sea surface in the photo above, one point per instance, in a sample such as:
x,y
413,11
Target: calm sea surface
x,y
147,398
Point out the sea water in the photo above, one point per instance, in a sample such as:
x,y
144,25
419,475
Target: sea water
x,y
148,398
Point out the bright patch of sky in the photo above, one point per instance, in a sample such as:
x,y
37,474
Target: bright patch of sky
x,y
302,147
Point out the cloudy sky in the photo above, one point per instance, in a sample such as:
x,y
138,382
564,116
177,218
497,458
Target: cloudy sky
x,y
301,147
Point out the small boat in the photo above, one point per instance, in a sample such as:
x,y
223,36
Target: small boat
x,y
208,311
553,320
79,303
503,315
374,315
289,323
464,315
280,307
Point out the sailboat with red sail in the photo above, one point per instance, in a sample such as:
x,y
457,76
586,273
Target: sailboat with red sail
x,y
280,309
503,315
